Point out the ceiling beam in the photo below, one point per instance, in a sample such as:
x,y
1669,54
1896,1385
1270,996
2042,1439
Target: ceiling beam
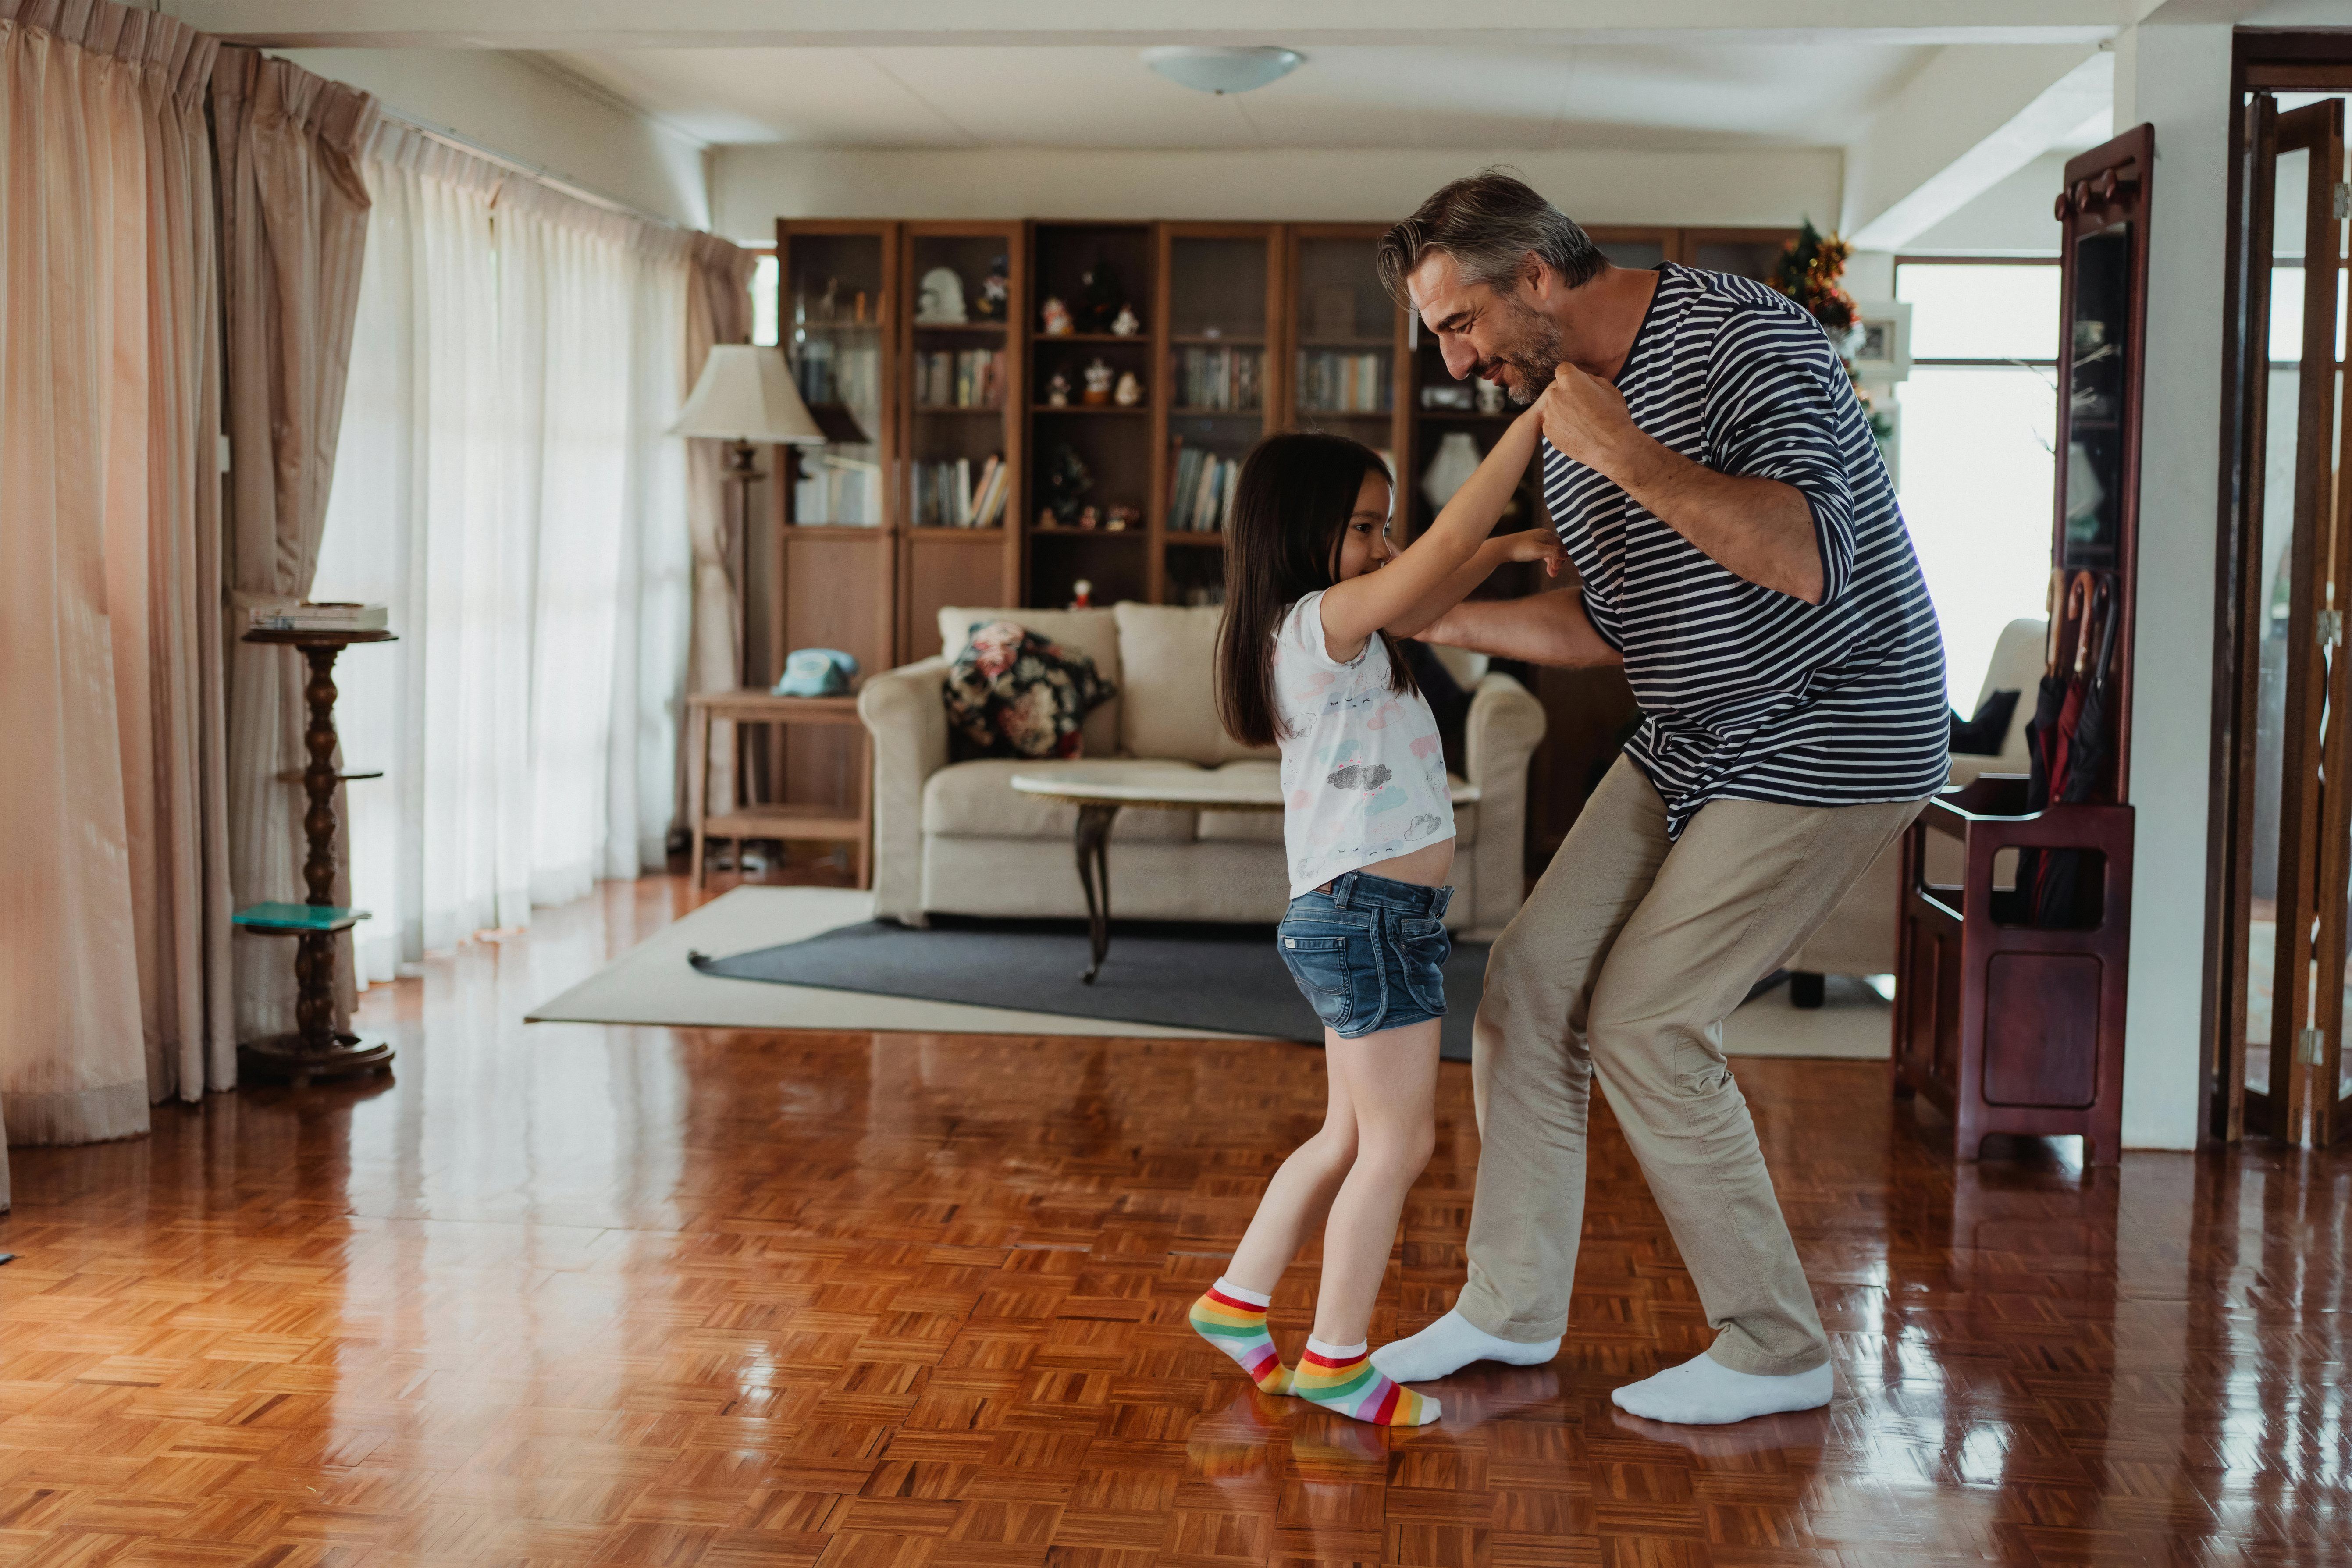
x,y
1301,24
1969,119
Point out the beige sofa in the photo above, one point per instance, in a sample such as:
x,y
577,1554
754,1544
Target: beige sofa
x,y
956,838
1859,936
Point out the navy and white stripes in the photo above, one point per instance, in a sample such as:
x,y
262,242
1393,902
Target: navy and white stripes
x,y
1745,693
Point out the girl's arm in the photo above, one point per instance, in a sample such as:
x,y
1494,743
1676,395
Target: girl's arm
x,y
1529,544
1355,609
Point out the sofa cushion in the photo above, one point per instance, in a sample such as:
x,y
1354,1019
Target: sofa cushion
x,y
1091,632
1168,654
977,800
1011,693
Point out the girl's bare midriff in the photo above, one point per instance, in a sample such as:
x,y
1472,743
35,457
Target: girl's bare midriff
x,y
1427,867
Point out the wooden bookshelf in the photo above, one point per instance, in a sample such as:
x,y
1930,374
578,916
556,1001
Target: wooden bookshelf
x,y
1115,444
1335,311
832,564
1217,387
940,562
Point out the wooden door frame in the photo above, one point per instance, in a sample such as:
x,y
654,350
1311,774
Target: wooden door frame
x,y
2314,680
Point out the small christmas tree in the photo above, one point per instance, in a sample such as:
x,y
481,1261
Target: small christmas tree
x,y
1808,273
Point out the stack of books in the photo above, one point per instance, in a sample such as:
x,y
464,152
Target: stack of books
x,y
949,495
972,379
1220,381
1343,384
294,615
1201,496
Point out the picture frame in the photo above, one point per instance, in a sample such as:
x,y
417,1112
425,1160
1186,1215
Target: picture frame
x,y
1879,346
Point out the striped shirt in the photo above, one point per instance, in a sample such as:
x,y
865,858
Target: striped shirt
x,y
1745,693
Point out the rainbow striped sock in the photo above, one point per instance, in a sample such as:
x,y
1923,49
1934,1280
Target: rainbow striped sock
x,y
1342,1378
1233,1320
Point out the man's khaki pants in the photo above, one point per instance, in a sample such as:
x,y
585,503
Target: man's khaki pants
x,y
1627,958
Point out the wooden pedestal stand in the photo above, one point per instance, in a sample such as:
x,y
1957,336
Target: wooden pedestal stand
x,y
316,1048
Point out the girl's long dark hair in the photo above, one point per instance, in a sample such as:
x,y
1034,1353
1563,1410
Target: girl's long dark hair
x,y
1292,503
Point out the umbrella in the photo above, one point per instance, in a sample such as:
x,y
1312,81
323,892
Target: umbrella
x,y
2086,748
2041,731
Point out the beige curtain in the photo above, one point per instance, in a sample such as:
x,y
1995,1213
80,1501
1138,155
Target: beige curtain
x,y
294,215
717,310
113,900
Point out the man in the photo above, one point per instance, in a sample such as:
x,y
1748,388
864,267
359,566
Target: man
x,y
1714,482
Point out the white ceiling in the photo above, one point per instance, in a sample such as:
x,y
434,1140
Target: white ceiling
x,y
1680,95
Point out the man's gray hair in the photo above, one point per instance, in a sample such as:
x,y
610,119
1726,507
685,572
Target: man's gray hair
x,y
1489,223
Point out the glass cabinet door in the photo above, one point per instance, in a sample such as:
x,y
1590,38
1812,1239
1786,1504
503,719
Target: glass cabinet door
x,y
2286,968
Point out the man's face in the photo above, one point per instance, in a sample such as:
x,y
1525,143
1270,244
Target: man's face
x,y
1485,330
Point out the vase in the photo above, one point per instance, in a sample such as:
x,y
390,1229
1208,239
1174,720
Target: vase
x,y
1450,469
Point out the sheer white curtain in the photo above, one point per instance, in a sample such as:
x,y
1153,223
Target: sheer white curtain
x,y
506,489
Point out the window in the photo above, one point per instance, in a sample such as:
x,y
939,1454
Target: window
x,y
765,329
1980,430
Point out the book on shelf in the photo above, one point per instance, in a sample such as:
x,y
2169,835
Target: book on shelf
x,y
1200,492
973,378
1221,380
950,494
286,614
1331,382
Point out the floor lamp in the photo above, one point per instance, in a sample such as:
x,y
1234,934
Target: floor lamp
x,y
745,397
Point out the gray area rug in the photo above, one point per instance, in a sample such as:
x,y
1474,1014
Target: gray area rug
x,y
1226,978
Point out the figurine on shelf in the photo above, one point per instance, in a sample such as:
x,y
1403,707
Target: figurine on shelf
x,y
1121,518
1082,594
1065,483
1099,306
1490,397
995,292
1056,318
1045,517
1129,391
1058,390
939,302
1098,380
1089,519
1125,324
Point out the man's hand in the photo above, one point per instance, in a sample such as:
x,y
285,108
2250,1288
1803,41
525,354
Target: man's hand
x,y
1587,419
1535,545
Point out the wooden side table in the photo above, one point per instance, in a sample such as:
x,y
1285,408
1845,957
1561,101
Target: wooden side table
x,y
316,1050
776,819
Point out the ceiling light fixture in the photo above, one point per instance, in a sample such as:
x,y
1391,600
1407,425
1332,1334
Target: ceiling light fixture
x,y
1222,70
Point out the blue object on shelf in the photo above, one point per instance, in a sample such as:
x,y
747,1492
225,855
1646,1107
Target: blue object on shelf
x,y
817,672
296,917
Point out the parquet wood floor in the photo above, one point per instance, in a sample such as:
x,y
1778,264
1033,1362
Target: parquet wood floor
x,y
563,1294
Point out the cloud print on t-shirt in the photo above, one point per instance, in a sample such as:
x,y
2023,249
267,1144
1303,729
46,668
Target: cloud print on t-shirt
x,y
1355,775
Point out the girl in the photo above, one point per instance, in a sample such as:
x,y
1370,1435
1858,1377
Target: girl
x,y
1307,659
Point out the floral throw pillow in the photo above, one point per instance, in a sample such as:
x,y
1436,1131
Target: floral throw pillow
x,y
1013,693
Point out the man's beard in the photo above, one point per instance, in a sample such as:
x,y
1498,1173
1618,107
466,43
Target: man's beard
x,y
1531,346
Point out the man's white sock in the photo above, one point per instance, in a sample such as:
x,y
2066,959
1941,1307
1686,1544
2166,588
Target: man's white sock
x,y
1703,1392
1451,1343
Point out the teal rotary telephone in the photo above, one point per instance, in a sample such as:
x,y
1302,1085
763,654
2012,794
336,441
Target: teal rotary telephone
x,y
817,672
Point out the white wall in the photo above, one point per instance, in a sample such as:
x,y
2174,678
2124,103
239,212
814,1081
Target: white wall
x,y
2177,78
753,186
2015,218
513,105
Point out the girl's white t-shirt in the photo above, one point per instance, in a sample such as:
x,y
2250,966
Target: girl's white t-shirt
x,y
1363,775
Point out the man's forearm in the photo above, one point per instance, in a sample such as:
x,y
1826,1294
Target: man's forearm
x,y
1541,628
1760,529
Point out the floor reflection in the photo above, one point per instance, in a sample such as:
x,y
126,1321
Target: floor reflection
x,y
564,1293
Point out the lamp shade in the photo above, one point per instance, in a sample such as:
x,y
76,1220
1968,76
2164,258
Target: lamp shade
x,y
746,394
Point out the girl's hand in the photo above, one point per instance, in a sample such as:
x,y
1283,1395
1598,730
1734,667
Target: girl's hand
x,y
1535,545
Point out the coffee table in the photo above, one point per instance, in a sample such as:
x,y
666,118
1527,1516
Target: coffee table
x,y
1100,792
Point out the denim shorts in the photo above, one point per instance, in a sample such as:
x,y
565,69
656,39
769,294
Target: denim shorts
x,y
1368,953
